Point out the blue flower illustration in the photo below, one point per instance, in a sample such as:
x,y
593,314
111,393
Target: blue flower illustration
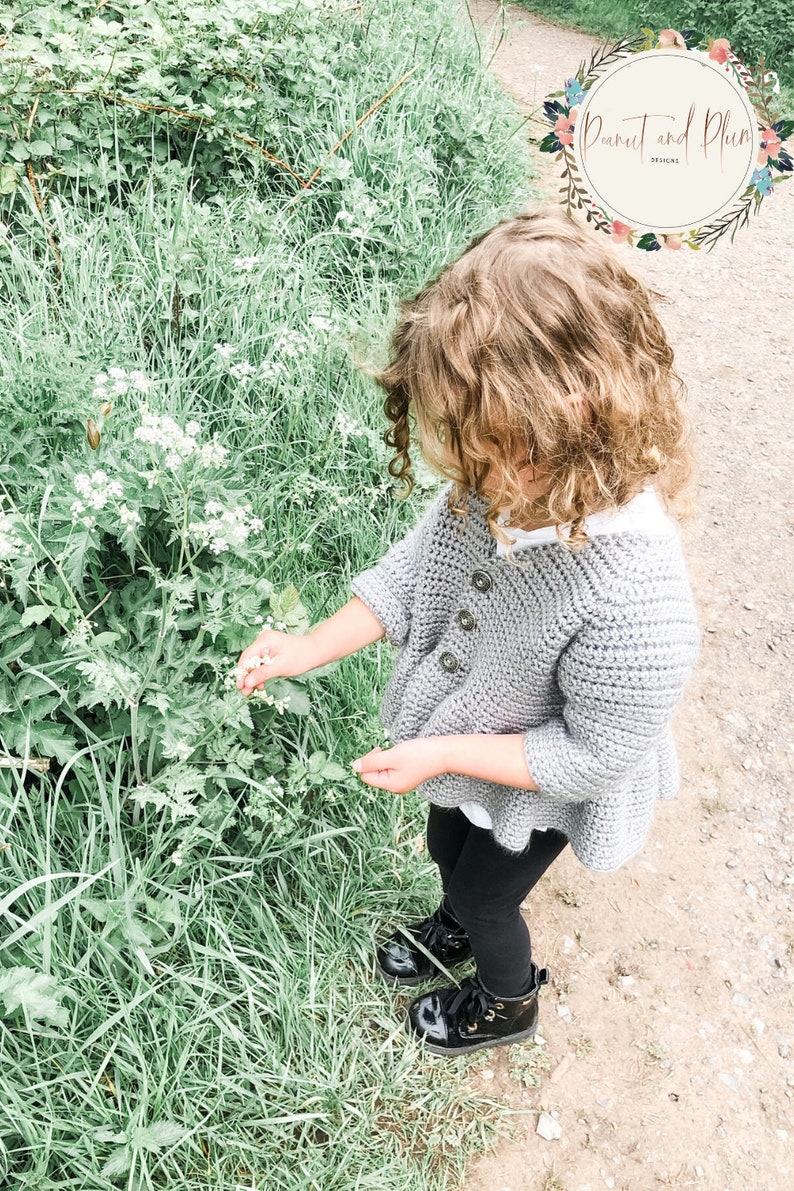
x,y
762,180
574,94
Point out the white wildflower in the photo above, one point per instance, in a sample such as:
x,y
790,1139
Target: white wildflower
x,y
140,381
95,490
11,544
129,516
242,371
213,454
224,350
224,527
347,426
321,323
247,263
117,381
270,369
291,344
179,445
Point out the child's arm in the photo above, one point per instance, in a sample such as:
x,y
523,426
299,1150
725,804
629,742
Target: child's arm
x,y
290,654
489,757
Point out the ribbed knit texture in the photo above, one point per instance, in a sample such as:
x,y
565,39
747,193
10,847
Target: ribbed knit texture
x,y
584,653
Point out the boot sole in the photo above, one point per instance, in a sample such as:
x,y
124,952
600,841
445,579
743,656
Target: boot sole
x,y
464,1050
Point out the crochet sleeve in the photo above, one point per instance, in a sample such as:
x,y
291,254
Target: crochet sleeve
x,y
389,587
620,680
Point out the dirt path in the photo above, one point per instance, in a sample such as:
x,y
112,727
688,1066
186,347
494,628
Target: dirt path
x,y
668,1024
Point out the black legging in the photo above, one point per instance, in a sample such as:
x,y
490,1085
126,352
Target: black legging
x,y
485,886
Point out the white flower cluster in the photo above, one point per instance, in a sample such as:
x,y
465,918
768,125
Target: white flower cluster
x,y
260,802
291,344
347,427
230,683
96,490
11,544
246,264
244,371
224,527
358,221
117,381
179,445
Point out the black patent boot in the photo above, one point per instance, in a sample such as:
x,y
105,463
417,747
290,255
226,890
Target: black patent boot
x,y
401,963
454,1021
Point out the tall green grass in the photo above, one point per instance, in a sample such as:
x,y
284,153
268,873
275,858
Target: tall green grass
x,y
752,30
188,1000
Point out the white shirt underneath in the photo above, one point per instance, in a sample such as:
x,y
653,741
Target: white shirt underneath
x,y
644,514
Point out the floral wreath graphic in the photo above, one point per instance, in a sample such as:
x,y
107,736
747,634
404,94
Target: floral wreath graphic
x,y
561,109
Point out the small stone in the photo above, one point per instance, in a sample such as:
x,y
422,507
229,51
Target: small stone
x,y
626,981
751,892
487,1073
747,763
732,863
783,1050
699,1172
564,1012
548,1128
741,1000
729,1080
722,1133
758,1026
568,945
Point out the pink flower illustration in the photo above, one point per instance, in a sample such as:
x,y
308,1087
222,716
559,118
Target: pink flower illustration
x,y
720,50
620,231
673,241
770,146
671,39
564,127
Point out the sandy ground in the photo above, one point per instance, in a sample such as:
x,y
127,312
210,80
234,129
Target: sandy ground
x,y
668,1023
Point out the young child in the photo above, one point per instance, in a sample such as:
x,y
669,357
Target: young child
x,y
541,605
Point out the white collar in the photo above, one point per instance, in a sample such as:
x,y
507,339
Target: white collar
x,y
643,514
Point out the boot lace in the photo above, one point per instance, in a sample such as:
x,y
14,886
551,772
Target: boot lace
x,y
435,934
472,1001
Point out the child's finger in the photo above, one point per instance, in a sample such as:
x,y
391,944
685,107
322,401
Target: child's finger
x,y
253,679
361,763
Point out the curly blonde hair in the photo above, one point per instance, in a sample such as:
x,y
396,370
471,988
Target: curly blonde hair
x,y
537,348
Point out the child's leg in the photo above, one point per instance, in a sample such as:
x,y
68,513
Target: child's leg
x,y
447,832
486,891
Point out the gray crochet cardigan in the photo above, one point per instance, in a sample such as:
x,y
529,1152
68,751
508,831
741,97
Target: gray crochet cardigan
x,y
586,654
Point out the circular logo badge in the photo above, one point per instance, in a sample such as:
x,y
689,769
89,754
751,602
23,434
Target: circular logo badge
x,y
666,141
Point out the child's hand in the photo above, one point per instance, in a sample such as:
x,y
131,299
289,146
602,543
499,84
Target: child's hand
x,y
403,767
275,655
